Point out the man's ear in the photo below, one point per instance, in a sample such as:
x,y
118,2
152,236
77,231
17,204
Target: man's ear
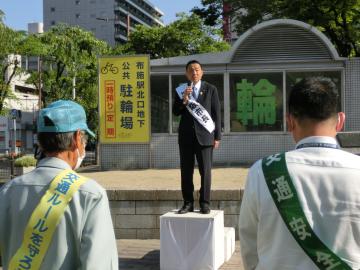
x,y
77,139
340,122
290,122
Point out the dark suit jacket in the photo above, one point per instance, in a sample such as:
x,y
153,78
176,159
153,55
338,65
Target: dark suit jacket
x,y
209,99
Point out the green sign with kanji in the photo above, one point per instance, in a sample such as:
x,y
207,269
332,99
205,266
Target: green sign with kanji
x,y
256,102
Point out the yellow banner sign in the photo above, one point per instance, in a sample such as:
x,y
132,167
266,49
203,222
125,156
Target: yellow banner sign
x,y
124,99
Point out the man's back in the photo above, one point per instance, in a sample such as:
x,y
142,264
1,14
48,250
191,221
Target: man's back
x,y
84,237
328,186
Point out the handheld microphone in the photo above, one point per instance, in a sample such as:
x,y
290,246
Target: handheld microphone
x,y
189,83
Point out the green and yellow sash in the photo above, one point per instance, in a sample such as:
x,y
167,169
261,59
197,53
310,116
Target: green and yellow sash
x,y
44,220
286,199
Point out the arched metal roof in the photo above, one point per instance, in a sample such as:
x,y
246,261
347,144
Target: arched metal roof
x,y
282,40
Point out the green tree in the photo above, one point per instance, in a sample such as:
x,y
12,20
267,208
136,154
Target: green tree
x,y
11,43
339,19
187,35
2,15
69,53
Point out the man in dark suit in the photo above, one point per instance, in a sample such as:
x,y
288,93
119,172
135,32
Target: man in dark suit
x,y
194,139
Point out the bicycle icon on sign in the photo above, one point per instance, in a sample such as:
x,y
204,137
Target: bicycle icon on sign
x,y
109,68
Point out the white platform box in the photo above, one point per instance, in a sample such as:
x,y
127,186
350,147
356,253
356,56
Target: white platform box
x,y
192,241
229,242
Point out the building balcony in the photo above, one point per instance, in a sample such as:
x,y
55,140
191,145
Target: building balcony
x,y
120,37
138,13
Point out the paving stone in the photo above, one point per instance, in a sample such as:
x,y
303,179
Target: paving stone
x,y
145,255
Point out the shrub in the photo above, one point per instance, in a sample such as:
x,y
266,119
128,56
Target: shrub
x,y
25,161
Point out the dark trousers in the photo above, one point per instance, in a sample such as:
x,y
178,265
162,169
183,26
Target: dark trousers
x,y
203,155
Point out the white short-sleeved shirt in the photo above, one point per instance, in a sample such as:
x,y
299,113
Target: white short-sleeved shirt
x,y
327,181
84,238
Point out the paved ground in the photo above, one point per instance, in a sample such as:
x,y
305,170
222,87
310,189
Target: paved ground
x,y
169,179
157,179
145,255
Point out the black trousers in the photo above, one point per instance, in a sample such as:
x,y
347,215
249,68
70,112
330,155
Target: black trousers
x,y
203,155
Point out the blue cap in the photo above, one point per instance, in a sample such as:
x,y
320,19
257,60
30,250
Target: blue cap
x,y
63,116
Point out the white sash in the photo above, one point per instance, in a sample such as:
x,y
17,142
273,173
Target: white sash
x,y
197,110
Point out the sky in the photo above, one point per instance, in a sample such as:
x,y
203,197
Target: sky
x,y
18,13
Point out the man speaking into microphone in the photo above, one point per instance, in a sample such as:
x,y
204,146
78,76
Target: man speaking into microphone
x,y
199,133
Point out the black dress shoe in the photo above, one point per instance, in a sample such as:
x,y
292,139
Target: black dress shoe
x,y
204,208
187,207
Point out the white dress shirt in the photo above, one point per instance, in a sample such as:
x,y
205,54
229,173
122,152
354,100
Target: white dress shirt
x,y
327,181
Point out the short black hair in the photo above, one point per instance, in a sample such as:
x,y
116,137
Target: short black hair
x,y
192,62
314,98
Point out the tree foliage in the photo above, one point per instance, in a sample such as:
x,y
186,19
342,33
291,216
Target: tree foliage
x,y
11,45
2,15
185,36
338,19
67,53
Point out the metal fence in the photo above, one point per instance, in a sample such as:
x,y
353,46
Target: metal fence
x,y
5,166
90,158
5,169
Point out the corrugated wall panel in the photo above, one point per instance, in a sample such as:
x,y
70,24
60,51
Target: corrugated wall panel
x,y
281,43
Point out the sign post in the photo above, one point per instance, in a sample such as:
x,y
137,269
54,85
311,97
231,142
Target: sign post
x,y
14,114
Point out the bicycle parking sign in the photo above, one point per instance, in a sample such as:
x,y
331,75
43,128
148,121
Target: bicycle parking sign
x,y
124,97
109,67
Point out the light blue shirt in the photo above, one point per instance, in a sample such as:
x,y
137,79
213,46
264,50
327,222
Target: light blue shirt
x,y
196,89
84,238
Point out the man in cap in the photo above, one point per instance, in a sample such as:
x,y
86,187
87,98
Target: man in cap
x,y
301,209
53,218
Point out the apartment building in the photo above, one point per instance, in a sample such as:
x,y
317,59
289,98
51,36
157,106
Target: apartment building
x,y
109,20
